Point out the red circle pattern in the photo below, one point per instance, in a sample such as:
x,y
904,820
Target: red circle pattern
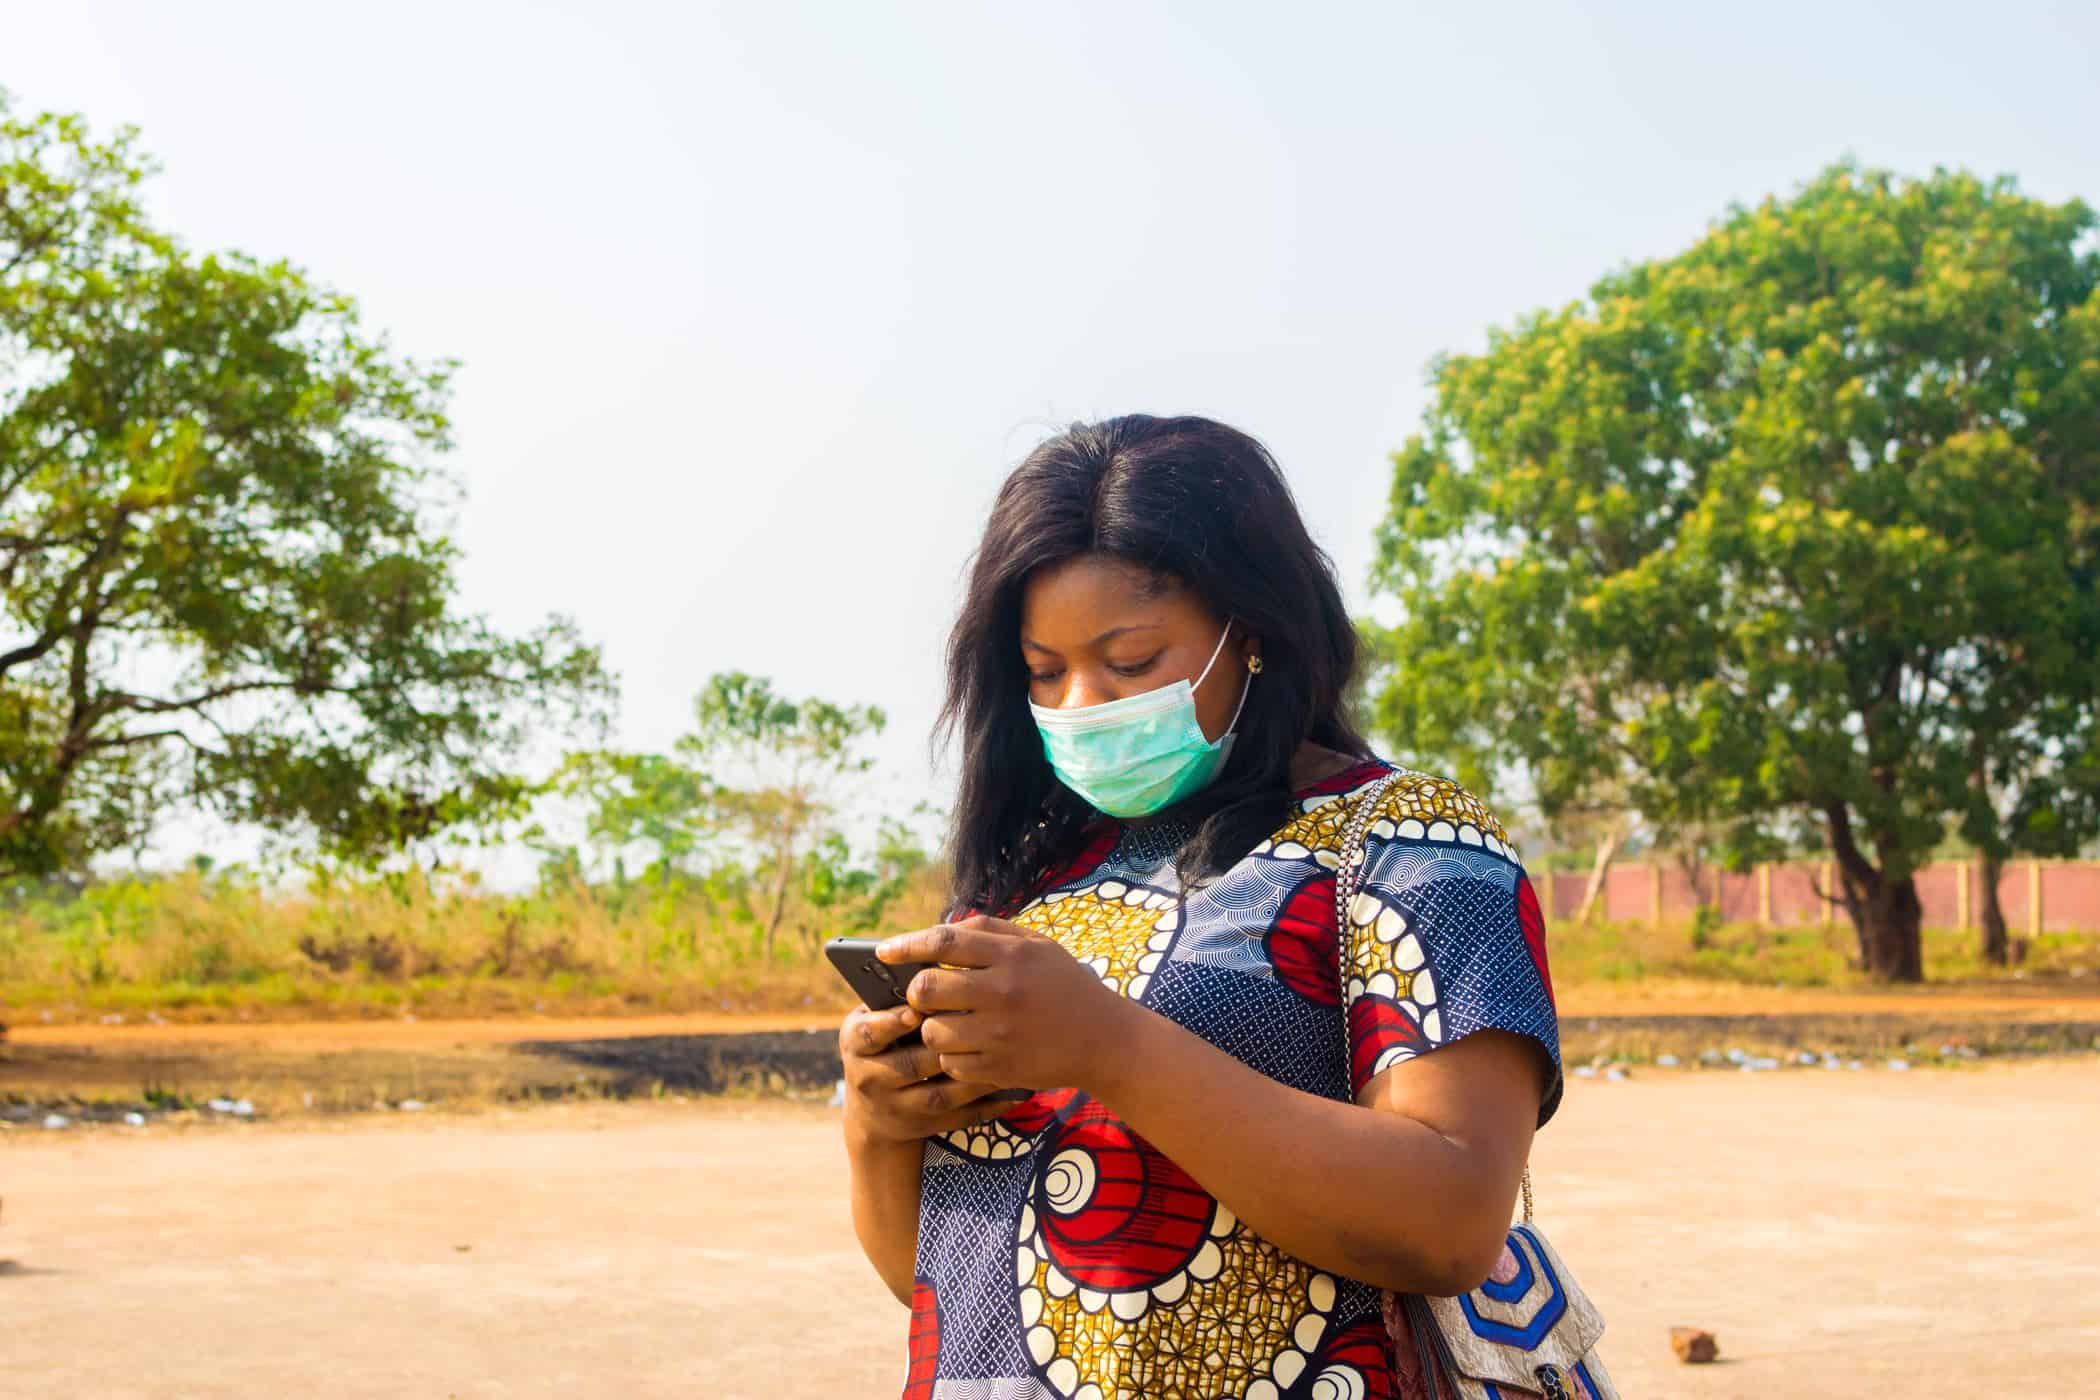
x,y
1141,1223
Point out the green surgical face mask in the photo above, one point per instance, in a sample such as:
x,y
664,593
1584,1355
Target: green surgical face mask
x,y
1134,756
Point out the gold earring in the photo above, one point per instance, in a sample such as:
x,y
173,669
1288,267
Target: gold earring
x,y
1254,665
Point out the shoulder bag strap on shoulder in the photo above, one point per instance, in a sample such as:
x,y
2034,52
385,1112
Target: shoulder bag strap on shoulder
x,y
1348,879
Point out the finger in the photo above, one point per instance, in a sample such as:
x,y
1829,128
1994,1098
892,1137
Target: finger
x,y
937,1096
906,1064
954,944
872,1032
952,1033
892,1024
940,989
966,1067
852,1029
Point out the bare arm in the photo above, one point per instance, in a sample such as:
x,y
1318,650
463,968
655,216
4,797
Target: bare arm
x,y
1409,1188
893,1104
886,1206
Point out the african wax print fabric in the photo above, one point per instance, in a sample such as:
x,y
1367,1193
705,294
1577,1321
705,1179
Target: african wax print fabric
x,y
1062,1255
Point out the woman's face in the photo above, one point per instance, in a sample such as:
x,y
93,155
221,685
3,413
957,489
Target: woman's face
x,y
1088,637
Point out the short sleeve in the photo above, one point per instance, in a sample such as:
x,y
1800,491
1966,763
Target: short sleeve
x,y
1445,936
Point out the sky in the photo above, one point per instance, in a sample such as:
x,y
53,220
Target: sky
x,y
757,304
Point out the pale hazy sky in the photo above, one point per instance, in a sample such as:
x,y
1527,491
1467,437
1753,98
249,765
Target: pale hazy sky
x,y
758,303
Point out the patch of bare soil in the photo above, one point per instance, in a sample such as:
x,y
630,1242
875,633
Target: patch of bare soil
x,y
276,1069
405,1033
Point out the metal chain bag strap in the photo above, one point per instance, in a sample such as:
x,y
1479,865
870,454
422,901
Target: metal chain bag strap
x,y
1528,1331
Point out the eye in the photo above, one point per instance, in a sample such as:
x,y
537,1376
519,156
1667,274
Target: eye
x,y
1045,677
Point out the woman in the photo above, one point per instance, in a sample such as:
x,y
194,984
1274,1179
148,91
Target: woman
x,y
1230,1147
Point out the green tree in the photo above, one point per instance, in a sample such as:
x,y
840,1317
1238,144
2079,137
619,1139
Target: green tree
x,y
849,892
224,577
1782,531
2034,785
787,764
657,802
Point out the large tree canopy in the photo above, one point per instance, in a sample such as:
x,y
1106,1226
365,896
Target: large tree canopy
x,y
223,577
1796,532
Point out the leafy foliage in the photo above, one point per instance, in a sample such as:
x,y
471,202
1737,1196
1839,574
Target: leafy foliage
x,y
1796,533
790,762
745,810
654,801
223,577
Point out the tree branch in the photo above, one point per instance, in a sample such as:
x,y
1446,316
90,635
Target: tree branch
x,y
57,629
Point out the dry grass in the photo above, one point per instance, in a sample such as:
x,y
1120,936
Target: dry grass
x,y
199,947
191,946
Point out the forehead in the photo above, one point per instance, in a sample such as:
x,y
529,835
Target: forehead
x,y
1074,601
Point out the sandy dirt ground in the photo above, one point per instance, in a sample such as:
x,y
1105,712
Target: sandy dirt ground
x,y
1855,1235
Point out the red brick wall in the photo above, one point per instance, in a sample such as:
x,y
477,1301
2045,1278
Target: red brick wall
x,y
1794,897
1561,892
2070,893
1737,896
2071,896
1939,890
1626,893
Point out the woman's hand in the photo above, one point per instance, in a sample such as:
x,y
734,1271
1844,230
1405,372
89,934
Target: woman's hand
x,y
1010,1007
892,1092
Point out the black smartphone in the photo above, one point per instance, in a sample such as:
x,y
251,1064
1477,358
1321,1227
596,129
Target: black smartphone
x,y
881,985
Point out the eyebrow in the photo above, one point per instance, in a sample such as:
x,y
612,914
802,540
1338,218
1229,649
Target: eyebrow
x,y
1105,636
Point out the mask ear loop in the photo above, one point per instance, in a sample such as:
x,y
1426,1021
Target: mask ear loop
x,y
1230,723
1244,688
1197,684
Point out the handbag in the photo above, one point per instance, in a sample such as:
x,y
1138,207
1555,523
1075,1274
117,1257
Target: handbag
x,y
1529,1331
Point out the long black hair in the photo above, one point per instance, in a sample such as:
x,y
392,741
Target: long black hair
x,y
1191,503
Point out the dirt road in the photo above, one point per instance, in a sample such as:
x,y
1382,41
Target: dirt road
x,y
290,1068
1845,1235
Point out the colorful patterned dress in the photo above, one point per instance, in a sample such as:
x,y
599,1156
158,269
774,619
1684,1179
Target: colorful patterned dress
x,y
1061,1255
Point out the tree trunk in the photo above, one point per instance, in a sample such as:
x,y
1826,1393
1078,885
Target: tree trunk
x,y
1892,935
1885,910
780,896
1592,892
1995,945
1704,892
1856,912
